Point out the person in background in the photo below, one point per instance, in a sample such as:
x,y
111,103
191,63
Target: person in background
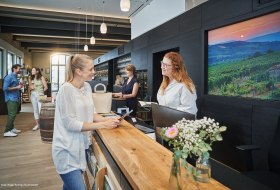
x,y
130,89
38,86
177,89
11,89
75,119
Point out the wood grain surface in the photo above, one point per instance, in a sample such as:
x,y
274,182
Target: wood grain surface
x,y
145,163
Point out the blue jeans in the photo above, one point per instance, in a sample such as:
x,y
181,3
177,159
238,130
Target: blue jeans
x,y
73,180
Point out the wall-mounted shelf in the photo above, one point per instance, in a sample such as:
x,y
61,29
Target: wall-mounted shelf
x,y
122,62
142,77
101,72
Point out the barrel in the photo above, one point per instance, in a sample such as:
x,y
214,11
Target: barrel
x,y
47,122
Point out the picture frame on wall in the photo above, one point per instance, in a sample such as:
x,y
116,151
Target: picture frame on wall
x,y
243,58
47,71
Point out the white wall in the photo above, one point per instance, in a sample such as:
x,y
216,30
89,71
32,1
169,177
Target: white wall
x,y
159,12
155,14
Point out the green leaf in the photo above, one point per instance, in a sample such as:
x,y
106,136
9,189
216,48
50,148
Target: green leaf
x,y
184,155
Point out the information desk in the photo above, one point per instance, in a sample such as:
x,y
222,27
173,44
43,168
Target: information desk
x,y
137,161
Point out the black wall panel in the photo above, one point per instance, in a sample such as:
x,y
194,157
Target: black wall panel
x,y
164,31
264,123
190,49
236,115
190,20
139,59
222,10
140,42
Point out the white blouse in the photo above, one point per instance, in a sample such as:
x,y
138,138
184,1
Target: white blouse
x,y
73,107
178,96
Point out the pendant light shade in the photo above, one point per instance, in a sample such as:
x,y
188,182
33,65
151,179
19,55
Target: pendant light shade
x,y
92,40
103,28
125,5
85,48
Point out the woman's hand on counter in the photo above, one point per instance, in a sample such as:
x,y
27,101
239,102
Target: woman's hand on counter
x,y
111,123
117,95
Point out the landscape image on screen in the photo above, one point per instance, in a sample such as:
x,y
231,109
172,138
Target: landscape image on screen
x,y
244,58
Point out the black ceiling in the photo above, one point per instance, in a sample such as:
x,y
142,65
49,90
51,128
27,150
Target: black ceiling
x,y
43,31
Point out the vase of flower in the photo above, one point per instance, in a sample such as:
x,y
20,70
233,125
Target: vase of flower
x,y
202,169
175,180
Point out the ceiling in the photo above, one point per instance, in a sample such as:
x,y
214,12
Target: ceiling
x,y
60,25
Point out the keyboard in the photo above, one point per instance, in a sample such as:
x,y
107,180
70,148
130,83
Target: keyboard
x,y
144,129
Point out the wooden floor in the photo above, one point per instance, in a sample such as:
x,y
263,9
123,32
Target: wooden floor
x,y
25,161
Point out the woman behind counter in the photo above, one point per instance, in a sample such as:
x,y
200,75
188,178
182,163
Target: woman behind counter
x,y
38,86
130,89
74,118
177,89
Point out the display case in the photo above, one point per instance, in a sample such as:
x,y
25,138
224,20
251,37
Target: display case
x,y
142,79
122,62
101,72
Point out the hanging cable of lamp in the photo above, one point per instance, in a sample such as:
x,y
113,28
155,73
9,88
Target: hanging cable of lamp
x,y
86,46
125,5
103,27
78,31
92,39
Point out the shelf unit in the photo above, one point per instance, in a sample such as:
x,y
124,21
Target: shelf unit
x,y
101,72
122,62
142,77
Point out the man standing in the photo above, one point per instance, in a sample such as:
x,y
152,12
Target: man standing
x,y
12,94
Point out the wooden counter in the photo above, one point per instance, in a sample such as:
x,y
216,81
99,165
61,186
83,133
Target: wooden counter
x,y
144,162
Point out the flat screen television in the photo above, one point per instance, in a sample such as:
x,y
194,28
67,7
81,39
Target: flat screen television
x,y
244,58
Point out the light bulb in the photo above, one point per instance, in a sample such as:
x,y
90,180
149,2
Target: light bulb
x,y
92,40
103,28
85,48
125,5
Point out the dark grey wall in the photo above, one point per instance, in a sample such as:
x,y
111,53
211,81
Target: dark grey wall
x,y
248,120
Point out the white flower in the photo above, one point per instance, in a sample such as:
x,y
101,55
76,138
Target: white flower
x,y
194,132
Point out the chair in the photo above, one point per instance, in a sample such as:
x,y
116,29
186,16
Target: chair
x,y
165,117
144,112
269,177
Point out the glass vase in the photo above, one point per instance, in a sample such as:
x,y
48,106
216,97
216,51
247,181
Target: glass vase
x,y
175,180
203,169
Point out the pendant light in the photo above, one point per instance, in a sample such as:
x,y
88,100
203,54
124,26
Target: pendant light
x,y
125,5
103,27
92,39
86,46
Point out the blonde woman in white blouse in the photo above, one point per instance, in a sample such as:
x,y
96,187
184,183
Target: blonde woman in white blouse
x,y
74,117
177,89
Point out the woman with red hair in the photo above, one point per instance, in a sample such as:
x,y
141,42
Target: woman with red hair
x,y
177,89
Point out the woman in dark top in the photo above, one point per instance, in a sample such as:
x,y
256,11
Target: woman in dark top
x,y
130,89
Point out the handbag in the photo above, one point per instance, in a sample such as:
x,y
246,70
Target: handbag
x,y
102,100
43,98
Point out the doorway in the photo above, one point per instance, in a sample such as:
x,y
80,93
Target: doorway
x,y
157,76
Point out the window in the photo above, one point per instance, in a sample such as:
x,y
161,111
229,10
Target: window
x,y
1,64
10,61
58,71
19,60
